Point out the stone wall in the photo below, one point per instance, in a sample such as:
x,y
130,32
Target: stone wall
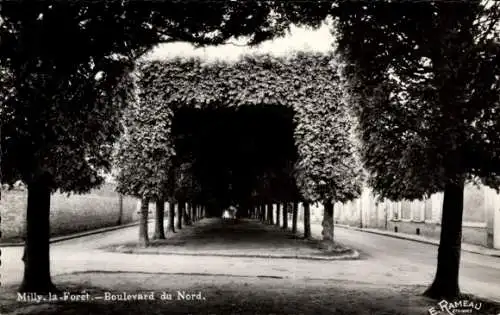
x,y
68,214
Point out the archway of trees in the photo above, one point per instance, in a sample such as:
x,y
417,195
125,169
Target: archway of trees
x,y
61,116
59,122
233,148
208,115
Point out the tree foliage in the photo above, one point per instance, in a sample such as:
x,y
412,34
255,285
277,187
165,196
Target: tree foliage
x,y
144,151
327,167
425,80
67,89
52,50
187,186
70,134
63,75
425,89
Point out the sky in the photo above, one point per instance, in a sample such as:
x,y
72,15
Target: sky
x,y
299,39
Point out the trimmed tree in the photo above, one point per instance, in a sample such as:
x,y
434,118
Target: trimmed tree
x,y
307,219
188,215
278,208
55,132
425,91
286,206
294,217
171,217
309,83
159,220
187,188
143,226
181,207
270,214
329,169
142,136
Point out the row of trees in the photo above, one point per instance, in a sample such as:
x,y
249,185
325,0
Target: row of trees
x,y
423,76
187,214
265,215
327,169
424,93
64,69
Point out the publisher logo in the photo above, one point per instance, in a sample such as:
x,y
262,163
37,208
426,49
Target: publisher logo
x,y
456,308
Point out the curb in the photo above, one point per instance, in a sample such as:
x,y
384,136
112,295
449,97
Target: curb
x,y
353,256
77,235
432,242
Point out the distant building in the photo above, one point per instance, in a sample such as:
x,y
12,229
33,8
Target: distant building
x,y
481,218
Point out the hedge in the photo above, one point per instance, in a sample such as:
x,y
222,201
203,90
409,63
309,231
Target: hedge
x,y
309,83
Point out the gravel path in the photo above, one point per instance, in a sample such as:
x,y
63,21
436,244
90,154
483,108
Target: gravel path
x,y
226,295
390,270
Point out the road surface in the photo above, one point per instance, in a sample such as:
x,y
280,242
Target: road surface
x,y
479,274
387,261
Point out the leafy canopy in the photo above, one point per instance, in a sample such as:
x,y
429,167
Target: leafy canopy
x,y
327,167
425,85
57,117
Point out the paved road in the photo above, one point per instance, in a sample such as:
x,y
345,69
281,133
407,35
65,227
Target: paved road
x,y
385,260
479,274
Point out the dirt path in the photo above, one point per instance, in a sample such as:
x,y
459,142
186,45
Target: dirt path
x,y
228,295
383,277
241,238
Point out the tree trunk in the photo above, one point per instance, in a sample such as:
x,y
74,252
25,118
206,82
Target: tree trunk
x,y
445,284
160,217
327,221
120,209
270,213
180,214
193,213
143,226
294,217
187,217
263,216
285,216
278,214
307,220
171,217
37,247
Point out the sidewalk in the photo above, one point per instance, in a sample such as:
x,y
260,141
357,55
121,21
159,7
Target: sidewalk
x,y
427,240
61,238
